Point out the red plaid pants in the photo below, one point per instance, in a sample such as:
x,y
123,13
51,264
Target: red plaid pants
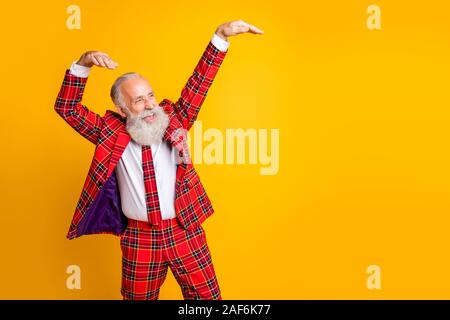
x,y
148,251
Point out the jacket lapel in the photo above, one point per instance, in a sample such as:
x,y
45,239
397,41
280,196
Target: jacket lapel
x,y
123,138
176,135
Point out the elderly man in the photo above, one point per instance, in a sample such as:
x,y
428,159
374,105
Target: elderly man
x,y
141,185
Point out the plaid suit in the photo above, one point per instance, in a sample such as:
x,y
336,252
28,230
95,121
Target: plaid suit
x,y
98,209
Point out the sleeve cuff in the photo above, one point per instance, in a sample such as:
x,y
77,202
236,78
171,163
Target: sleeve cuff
x,y
79,71
219,43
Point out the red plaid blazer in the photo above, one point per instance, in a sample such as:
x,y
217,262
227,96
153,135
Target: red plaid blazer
x,y
98,209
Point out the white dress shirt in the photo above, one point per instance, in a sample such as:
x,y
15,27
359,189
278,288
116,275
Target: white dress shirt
x,y
129,172
130,177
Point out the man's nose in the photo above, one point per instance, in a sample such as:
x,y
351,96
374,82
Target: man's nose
x,y
149,105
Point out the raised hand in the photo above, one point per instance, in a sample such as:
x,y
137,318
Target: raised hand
x,y
97,58
234,28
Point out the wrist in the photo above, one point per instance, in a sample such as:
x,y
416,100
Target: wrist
x,y
220,34
81,63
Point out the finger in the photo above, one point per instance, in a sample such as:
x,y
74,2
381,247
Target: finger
x,y
242,29
108,62
100,60
103,59
251,28
96,62
115,64
255,30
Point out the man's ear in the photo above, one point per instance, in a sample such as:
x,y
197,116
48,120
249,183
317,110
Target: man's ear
x,y
120,111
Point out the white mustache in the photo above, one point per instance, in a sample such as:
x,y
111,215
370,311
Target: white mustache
x,y
147,133
147,113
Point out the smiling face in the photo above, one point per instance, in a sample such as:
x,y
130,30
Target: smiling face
x,y
138,95
146,121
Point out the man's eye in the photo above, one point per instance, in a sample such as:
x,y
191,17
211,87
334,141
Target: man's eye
x,y
138,100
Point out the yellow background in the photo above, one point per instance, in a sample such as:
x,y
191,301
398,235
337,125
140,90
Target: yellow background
x,y
364,176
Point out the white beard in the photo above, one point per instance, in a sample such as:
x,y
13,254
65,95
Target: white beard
x,y
145,133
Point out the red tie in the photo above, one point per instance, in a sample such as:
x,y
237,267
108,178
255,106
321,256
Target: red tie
x,y
151,191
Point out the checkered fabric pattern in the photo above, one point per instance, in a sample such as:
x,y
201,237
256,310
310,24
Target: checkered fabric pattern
x,y
98,209
148,252
151,190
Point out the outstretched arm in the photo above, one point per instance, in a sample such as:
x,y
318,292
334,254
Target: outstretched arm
x,y
68,103
198,84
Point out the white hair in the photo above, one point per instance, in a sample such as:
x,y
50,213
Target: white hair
x,y
116,94
140,131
